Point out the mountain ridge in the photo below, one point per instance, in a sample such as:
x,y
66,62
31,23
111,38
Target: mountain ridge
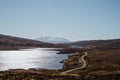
x,y
54,40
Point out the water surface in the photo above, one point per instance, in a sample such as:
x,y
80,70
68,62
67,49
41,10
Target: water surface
x,y
31,58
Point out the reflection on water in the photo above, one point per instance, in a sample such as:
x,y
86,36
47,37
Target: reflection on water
x,y
31,58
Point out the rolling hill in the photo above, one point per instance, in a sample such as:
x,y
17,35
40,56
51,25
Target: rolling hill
x,y
10,42
110,43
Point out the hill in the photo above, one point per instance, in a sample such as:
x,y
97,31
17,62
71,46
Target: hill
x,y
10,42
110,43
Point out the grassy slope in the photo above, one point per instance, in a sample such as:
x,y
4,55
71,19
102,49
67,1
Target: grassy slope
x,y
10,42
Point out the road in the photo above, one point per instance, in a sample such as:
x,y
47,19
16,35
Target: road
x,y
84,64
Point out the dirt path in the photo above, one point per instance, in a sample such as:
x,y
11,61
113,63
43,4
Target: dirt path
x,y
84,64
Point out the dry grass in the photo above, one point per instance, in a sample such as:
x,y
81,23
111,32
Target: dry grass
x,y
101,62
104,57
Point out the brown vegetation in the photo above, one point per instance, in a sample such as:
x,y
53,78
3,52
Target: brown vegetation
x,y
103,57
10,42
102,44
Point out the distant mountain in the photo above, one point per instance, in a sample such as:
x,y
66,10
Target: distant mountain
x,y
55,40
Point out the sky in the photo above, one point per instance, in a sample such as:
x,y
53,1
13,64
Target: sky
x,y
72,19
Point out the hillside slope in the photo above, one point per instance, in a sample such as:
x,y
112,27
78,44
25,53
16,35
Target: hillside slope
x,y
111,43
10,42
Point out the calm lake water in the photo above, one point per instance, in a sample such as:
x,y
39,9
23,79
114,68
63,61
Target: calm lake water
x,y
31,58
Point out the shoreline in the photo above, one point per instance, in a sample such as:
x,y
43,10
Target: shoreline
x,y
95,69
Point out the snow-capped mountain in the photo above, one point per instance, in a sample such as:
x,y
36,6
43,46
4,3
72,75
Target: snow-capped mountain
x,y
54,40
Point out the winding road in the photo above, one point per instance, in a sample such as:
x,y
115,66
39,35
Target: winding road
x,y
84,64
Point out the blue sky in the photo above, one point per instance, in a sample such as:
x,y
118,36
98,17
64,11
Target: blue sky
x,y
72,19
